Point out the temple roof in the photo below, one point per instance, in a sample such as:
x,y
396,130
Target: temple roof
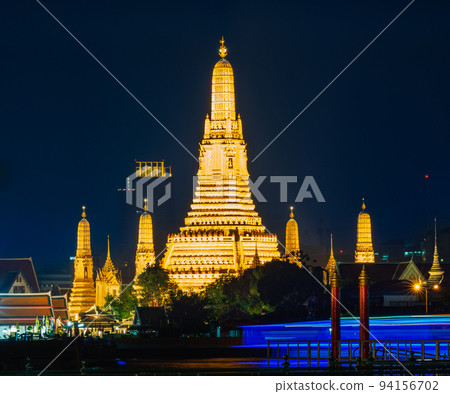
x,y
377,272
9,269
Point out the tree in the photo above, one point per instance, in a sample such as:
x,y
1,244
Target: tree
x,y
155,286
188,313
124,304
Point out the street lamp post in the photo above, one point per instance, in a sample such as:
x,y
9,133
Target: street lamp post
x,y
419,286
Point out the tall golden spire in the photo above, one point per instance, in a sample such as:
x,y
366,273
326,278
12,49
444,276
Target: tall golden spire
x,y
82,295
364,249
108,281
436,272
109,266
292,238
83,236
223,106
331,265
222,226
145,252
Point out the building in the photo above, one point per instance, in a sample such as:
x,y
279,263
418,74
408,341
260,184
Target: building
x,y
436,273
18,276
107,282
145,251
292,240
364,248
82,295
22,313
222,229
331,265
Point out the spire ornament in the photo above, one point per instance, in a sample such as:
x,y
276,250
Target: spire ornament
x,y
83,214
108,255
436,273
223,49
331,265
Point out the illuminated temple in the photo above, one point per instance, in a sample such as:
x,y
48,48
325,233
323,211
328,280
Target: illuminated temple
x,y
364,248
108,281
292,240
223,233
82,295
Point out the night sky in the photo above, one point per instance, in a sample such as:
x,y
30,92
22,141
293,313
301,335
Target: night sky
x,y
70,133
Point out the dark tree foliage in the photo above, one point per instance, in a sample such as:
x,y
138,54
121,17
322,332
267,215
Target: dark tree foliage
x,y
277,291
188,313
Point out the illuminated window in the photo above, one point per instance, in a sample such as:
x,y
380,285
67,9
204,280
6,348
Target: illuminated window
x,y
230,162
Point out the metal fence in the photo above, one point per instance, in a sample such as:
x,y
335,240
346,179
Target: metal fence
x,y
318,353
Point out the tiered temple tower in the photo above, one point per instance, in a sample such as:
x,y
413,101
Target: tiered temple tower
x,y
82,295
145,251
107,282
331,265
364,249
222,229
436,272
292,240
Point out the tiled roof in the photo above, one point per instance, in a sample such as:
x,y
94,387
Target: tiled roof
x,y
25,266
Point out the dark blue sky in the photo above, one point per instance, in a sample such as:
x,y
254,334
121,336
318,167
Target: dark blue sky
x,y
70,134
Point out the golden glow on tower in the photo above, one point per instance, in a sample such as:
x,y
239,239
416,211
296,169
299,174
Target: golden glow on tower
x,y
364,248
82,295
222,89
145,252
222,228
292,239
436,272
331,266
83,236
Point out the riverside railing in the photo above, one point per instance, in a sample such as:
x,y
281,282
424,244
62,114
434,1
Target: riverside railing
x,y
318,353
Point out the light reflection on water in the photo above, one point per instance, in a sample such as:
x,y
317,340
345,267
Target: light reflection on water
x,y
381,328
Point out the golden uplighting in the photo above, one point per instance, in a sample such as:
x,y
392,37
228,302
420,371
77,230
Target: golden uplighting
x,y
222,232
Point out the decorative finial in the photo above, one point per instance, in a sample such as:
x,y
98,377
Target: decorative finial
x,y
435,235
331,247
145,205
334,278
292,213
108,257
363,204
363,277
83,215
222,49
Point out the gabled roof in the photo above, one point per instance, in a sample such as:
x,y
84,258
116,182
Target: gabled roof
x,y
10,266
378,271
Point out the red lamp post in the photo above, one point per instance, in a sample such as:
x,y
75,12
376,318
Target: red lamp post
x,y
364,314
335,316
